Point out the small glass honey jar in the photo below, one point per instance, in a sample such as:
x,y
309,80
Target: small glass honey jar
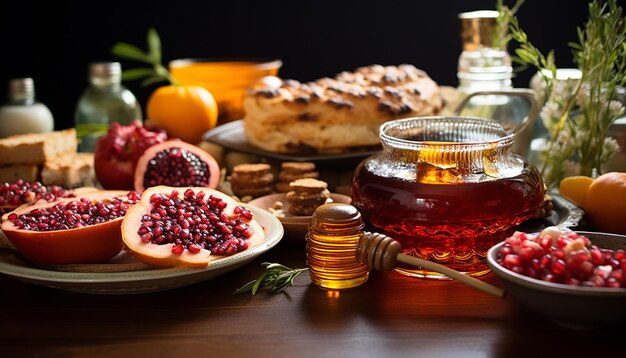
x,y
332,238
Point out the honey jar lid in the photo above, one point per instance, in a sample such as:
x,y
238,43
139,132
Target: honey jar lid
x,y
336,217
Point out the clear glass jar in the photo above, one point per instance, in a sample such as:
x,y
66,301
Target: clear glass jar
x,y
22,113
105,101
447,188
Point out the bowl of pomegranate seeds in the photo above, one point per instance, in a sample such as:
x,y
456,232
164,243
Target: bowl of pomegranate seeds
x,y
573,277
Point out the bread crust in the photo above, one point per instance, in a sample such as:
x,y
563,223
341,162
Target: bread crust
x,y
336,115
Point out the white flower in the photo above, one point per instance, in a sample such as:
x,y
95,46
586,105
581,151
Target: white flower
x,y
616,108
561,90
571,168
581,136
558,89
610,146
582,95
550,114
566,138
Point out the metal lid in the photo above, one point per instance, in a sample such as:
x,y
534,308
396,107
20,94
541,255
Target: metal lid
x,y
477,28
105,71
21,89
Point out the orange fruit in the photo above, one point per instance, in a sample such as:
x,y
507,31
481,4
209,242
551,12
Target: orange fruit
x,y
184,112
575,188
605,203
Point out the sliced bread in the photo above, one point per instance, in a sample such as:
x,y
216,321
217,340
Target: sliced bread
x,y
26,172
69,171
37,148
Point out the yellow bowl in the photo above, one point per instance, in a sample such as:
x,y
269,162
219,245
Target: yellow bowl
x,y
226,79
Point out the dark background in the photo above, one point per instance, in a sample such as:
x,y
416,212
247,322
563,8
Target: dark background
x,y
54,41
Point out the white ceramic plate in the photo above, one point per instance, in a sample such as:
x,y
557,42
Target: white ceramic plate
x,y
143,280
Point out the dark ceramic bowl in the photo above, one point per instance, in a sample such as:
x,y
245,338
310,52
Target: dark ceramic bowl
x,y
570,305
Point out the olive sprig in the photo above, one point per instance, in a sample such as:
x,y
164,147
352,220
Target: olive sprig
x,y
157,73
275,278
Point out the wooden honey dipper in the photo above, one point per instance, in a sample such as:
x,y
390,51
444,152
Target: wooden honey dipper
x,y
383,253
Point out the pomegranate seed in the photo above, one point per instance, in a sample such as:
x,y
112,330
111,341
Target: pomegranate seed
x,y
178,249
71,214
561,258
572,282
512,260
558,266
193,223
506,249
526,253
21,192
596,257
194,248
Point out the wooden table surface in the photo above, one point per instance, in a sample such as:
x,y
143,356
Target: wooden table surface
x,y
391,315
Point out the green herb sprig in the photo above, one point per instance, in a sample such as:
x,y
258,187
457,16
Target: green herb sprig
x,y
501,35
158,72
275,278
527,54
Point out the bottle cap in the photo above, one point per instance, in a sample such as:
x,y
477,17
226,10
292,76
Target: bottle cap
x,y
21,89
105,71
477,29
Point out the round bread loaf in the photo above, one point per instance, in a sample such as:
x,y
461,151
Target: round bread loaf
x,y
337,115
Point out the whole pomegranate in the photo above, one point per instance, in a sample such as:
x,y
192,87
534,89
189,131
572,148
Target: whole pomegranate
x,y
117,153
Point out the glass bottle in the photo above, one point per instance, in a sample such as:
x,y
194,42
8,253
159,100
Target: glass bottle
x,y
105,101
447,188
332,239
22,113
482,67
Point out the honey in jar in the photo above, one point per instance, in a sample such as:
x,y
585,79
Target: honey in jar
x,y
447,188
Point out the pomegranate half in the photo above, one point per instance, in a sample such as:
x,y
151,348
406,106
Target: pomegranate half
x,y
189,226
177,164
80,230
117,153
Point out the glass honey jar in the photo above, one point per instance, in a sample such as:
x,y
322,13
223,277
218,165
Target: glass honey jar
x,y
447,188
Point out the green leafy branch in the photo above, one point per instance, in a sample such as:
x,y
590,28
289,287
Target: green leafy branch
x,y
601,53
527,54
275,278
501,35
157,73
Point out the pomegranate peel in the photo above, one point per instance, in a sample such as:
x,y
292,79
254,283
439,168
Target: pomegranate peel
x,y
117,153
219,227
92,243
177,164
